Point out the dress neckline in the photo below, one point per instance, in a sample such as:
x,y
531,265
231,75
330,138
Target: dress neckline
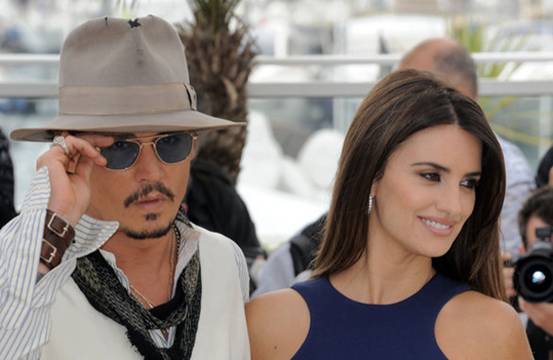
x,y
409,299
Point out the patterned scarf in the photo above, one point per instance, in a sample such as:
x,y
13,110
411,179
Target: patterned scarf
x,y
98,282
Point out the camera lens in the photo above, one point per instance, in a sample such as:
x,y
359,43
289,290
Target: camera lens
x,y
535,280
538,278
533,275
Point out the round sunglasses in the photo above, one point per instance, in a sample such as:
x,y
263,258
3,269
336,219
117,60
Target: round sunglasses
x,y
169,149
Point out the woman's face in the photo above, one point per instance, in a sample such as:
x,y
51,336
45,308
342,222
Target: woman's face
x,y
427,191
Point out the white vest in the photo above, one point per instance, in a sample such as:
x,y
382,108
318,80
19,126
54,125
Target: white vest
x,y
78,331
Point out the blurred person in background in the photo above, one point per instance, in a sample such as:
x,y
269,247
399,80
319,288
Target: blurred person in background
x,y
409,265
213,203
221,51
451,63
290,262
536,213
7,209
102,262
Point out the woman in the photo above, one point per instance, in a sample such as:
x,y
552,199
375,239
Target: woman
x,y
409,263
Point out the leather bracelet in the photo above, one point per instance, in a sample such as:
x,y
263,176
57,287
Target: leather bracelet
x,y
57,236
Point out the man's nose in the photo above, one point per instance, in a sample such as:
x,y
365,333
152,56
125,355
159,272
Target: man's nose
x,y
148,166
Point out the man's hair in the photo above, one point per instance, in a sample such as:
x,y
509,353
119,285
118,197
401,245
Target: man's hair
x,y
539,204
546,163
457,60
449,60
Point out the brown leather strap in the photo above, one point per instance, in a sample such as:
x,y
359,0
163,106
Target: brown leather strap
x,y
58,234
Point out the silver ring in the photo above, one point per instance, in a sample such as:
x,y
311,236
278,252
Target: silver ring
x,y
60,141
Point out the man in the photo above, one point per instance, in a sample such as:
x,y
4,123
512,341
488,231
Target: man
x,y
537,212
136,279
451,63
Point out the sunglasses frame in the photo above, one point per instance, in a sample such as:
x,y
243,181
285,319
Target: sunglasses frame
x,y
156,138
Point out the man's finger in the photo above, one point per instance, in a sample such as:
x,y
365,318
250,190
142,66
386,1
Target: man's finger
x,y
97,140
506,258
84,168
524,306
84,148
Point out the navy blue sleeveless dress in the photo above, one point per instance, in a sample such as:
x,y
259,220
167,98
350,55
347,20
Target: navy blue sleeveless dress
x,y
342,328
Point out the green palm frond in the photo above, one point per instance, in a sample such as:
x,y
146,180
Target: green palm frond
x,y
214,15
125,8
473,37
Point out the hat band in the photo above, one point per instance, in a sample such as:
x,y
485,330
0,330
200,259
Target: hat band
x,y
126,100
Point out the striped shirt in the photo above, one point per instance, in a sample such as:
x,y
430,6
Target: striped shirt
x,y
520,184
25,303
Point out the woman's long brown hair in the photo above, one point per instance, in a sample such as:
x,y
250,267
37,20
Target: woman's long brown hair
x,y
402,104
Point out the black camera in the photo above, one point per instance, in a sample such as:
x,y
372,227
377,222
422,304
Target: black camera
x,y
533,275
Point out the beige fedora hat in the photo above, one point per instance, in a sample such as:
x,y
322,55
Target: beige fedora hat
x,y
128,76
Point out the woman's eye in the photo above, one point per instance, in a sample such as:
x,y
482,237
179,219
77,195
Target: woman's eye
x,y
435,177
470,183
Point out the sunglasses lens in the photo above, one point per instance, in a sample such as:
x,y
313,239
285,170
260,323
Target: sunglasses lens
x,y
174,148
120,155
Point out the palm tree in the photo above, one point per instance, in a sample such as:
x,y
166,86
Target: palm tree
x,y
220,55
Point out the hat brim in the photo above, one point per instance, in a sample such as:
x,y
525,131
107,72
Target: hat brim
x,y
159,122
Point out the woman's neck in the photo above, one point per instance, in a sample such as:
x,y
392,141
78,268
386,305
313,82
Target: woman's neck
x,y
385,274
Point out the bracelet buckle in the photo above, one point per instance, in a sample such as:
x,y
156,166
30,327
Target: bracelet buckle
x,y
51,226
53,253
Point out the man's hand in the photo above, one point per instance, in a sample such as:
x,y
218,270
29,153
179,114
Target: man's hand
x,y
508,274
70,173
540,313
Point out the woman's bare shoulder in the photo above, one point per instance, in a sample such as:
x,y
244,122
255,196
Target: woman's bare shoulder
x,y
476,326
278,323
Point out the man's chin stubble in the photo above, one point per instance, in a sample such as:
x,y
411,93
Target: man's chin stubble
x,y
147,234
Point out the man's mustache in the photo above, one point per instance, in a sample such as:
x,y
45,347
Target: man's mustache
x,y
148,188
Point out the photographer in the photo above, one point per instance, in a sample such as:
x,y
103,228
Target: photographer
x,y
536,216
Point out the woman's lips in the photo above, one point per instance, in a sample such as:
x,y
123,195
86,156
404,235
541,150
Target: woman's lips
x,y
437,226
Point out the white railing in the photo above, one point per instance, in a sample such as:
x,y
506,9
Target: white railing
x,y
488,87
380,59
304,89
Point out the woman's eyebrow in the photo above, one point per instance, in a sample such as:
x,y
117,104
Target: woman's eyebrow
x,y
444,168
432,164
